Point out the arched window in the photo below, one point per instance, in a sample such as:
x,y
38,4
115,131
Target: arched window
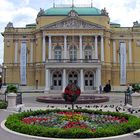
x,y
57,53
73,53
88,53
73,77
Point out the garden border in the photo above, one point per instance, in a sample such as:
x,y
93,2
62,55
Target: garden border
x,y
46,138
110,132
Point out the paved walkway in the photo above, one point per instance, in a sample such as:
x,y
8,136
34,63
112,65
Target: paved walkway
x,y
30,102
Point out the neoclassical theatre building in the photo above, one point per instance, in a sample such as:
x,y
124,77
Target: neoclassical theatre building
x,y
72,44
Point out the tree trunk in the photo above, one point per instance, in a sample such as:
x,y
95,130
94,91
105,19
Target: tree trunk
x,y
72,106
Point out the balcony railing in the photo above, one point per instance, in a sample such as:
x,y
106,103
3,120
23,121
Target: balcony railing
x,y
72,61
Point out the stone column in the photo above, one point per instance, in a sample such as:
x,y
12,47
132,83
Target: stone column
x,y
130,52
98,78
47,78
16,52
64,79
65,47
96,48
80,45
31,52
50,47
114,51
82,80
44,48
102,48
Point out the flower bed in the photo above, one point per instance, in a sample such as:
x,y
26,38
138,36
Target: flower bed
x,y
68,124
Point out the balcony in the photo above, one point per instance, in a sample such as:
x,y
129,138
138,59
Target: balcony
x,y
72,63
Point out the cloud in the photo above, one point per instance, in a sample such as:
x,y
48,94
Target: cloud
x,y
20,14
23,16
123,11
26,2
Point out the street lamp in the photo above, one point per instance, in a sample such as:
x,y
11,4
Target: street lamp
x,y
0,80
4,79
4,75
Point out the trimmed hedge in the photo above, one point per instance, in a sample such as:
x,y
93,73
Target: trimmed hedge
x,y
14,123
11,88
3,104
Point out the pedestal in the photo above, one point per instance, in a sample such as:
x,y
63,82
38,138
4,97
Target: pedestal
x,y
11,97
136,100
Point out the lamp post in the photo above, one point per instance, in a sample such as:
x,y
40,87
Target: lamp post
x,y
4,75
4,80
0,80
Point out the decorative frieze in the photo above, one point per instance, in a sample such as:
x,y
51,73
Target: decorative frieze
x,y
73,23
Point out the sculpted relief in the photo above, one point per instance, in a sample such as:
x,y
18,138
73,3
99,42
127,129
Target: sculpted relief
x,y
73,23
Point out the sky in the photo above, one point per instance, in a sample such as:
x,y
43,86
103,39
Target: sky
x,y
22,12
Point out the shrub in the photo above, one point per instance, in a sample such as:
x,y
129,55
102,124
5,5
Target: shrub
x,y
14,123
3,105
11,88
136,87
71,93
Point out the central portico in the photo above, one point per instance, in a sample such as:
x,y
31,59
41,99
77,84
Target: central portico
x,y
73,56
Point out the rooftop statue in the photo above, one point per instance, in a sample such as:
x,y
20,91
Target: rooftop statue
x,y
104,12
72,13
9,25
136,23
41,12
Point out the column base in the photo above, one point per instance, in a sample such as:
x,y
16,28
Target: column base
x,y
47,91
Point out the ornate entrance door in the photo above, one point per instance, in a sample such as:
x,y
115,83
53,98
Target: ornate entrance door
x,y
73,77
89,81
57,81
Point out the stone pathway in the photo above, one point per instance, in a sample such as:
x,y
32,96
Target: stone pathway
x,y
30,103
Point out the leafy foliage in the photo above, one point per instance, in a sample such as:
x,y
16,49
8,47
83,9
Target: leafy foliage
x,y
3,104
11,88
136,87
71,93
15,123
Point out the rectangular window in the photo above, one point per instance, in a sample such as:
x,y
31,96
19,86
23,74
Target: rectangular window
x,y
59,82
55,83
91,82
86,82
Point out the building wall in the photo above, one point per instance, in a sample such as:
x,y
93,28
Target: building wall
x,y
46,20
36,70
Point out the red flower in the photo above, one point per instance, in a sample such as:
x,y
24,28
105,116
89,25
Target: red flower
x,y
71,93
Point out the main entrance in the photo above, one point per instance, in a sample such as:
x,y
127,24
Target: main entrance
x,y
73,77
89,80
57,80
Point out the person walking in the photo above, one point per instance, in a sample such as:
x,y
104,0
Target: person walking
x,y
100,89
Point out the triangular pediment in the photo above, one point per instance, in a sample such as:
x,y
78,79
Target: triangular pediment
x,y
73,23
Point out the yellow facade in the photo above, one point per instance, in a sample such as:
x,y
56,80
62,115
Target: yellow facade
x,y
33,34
